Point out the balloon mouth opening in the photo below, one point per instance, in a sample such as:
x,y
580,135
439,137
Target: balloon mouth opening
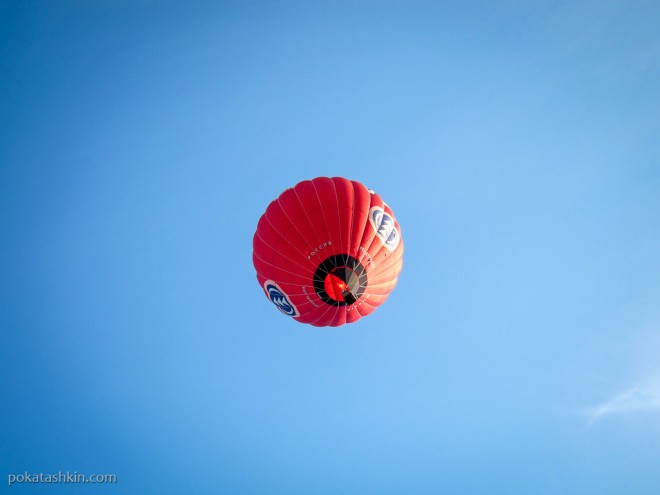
x,y
340,280
341,284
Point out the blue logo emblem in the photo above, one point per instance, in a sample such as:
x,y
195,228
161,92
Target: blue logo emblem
x,y
280,299
383,224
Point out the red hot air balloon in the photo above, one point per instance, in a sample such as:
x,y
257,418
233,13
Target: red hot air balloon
x,y
328,251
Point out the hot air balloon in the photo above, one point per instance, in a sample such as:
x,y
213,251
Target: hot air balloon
x,y
327,251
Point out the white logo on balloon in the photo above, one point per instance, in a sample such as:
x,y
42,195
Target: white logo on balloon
x,y
280,299
383,225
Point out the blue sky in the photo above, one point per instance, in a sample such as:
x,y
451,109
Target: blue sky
x,y
517,143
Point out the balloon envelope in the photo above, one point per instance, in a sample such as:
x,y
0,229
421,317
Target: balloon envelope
x,y
327,251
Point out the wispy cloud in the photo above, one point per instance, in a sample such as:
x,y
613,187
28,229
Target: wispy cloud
x,y
644,396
